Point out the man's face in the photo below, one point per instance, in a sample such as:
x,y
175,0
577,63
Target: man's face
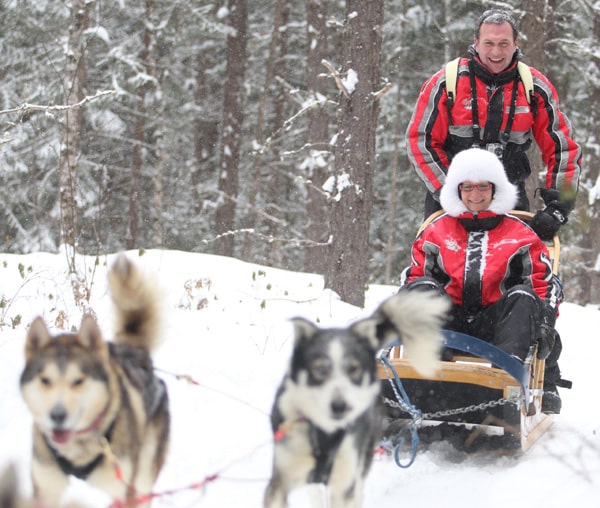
x,y
495,46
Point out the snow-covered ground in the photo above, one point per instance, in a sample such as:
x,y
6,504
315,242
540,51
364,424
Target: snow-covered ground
x,y
226,326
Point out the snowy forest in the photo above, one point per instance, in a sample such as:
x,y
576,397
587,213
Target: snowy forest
x,y
226,127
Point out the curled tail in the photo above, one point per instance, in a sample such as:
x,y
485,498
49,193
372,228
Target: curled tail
x,y
137,305
416,318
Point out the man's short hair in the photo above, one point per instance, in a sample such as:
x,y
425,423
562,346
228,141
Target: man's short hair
x,y
497,16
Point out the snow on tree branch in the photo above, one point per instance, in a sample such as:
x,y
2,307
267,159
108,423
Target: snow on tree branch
x,y
336,76
56,108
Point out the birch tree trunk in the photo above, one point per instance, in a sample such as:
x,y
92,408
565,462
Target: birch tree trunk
x,y
74,89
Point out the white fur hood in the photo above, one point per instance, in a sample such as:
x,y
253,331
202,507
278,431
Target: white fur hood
x,y
477,165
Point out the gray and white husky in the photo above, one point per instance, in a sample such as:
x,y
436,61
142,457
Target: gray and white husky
x,y
327,413
97,404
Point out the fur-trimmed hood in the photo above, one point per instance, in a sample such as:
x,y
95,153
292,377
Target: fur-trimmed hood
x,y
477,165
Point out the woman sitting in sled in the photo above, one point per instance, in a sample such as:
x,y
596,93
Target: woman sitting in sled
x,y
492,265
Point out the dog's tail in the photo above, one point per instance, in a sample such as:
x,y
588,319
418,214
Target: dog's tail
x,y
137,305
416,318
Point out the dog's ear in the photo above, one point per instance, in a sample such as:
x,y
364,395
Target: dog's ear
x,y
90,335
368,329
37,337
416,319
303,329
382,328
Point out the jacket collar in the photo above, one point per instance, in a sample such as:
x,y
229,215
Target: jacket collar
x,y
506,76
482,221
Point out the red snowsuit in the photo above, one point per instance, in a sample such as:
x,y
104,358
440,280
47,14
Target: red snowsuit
x,y
436,132
488,264
476,268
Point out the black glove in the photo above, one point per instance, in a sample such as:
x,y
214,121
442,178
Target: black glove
x,y
547,222
425,283
546,341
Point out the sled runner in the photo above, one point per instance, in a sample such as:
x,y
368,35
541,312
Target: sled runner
x,y
480,391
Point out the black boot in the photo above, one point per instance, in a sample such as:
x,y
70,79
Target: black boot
x,y
551,403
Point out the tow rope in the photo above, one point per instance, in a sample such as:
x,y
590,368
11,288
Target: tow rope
x,y
415,414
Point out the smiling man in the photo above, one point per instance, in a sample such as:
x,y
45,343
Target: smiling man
x,y
484,101
496,45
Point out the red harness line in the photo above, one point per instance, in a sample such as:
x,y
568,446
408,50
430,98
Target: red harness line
x,y
96,423
279,434
145,498
119,503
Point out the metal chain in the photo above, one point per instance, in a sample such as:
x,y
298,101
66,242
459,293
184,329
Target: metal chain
x,y
452,412
404,405
411,410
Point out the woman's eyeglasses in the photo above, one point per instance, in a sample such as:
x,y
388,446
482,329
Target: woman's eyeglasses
x,y
481,187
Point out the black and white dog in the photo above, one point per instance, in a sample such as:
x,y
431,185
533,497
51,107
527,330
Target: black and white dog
x,y
327,413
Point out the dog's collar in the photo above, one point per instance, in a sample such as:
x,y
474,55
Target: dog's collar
x,y
81,472
95,424
324,446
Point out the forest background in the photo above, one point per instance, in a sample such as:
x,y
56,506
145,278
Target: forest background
x,y
266,130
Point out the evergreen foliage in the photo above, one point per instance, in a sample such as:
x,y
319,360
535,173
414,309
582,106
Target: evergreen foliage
x,y
182,82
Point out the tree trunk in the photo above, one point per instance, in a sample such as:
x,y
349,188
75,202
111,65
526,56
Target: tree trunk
x,y
582,280
317,229
399,137
155,102
74,89
231,133
259,156
139,147
158,233
352,198
277,191
539,25
206,129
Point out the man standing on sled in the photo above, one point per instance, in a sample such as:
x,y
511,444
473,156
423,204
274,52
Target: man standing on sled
x,y
493,266
492,101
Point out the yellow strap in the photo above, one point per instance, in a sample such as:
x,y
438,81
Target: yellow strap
x,y
527,79
452,76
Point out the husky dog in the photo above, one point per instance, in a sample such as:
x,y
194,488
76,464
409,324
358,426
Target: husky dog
x,y
327,413
99,412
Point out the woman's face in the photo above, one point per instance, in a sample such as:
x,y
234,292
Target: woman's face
x,y
477,196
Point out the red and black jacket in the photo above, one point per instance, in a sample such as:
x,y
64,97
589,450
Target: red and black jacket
x,y
438,130
478,257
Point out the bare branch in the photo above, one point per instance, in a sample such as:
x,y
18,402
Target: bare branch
x,y
336,77
379,94
50,108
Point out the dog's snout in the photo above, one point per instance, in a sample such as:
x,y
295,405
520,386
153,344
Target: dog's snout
x,y
339,407
58,415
